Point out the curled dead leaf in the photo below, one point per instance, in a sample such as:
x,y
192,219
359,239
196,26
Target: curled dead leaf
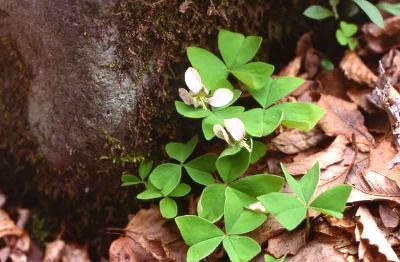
x,y
355,69
294,141
343,118
287,243
316,251
380,40
390,216
293,68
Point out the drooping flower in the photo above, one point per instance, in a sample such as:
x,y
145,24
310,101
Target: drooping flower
x,y
199,95
233,132
258,207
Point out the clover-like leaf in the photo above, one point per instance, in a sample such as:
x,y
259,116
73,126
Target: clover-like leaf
x,y
241,248
200,169
254,75
260,122
129,180
268,258
371,11
209,66
211,202
318,12
180,190
257,185
195,229
259,150
237,219
232,163
145,168
202,249
236,49
149,193
341,38
348,29
168,207
288,210
181,151
332,201
302,116
217,117
190,111
166,177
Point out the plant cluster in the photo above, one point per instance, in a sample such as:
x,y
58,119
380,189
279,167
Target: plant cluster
x,y
345,33
232,204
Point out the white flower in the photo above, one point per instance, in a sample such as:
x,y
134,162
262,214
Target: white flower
x,y
258,207
233,132
199,95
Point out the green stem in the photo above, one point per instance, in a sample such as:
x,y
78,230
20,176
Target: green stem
x,y
308,225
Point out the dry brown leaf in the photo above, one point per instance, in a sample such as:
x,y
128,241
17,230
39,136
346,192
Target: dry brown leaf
x,y
343,118
316,251
287,243
380,40
294,141
389,216
8,227
332,83
331,155
355,69
382,155
293,68
372,235
371,186
391,65
148,236
54,251
360,97
269,229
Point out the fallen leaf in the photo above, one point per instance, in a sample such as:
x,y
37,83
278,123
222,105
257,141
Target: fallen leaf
x,y
148,236
343,118
54,251
355,69
332,83
391,65
380,40
371,186
8,227
294,141
360,97
390,216
293,68
74,252
287,243
316,251
372,235
269,229
331,155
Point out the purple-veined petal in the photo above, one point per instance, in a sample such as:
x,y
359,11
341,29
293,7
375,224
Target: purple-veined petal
x,y
235,128
193,80
221,97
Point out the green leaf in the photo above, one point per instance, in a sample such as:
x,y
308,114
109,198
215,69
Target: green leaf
x,y
257,185
333,201
259,150
231,164
241,248
275,89
190,111
149,194
181,151
145,168
253,75
237,219
393,9
348,29
202,249
289,211
211,202
217,117
371,11
168,208
260,122
309,182
327,64
236,49
303,116
268,258
200,169
341,38
353,43
130,180
317,12
195,229
209,66
180,190
166,177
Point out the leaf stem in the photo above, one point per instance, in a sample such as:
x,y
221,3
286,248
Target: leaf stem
x,y
308,224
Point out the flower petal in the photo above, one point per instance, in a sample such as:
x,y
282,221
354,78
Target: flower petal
x,y
236,128
186,97
220,132
193,80
221,97
257,207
